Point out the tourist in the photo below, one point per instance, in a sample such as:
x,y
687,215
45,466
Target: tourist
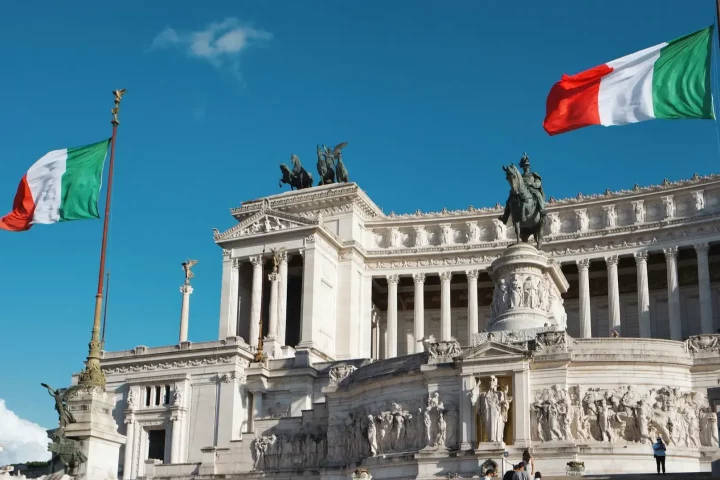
x,y
489,473
659,452
538,475
520,473
529,462
509,475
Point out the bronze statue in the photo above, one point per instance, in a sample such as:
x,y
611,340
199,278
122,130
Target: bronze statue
x,y
298,178
61,395
276,253
526,202
325,165
341,172
187,265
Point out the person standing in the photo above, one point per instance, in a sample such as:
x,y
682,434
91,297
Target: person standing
x,y
529,462
659,453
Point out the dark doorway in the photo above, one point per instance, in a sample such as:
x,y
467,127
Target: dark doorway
x,y
156,445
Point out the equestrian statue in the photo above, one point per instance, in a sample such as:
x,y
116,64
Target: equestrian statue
x,y
298,178
526,203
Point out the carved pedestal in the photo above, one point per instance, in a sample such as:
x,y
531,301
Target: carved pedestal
x,y
528,288
97,431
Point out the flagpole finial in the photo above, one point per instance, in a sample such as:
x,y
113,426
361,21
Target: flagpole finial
x,y
116,109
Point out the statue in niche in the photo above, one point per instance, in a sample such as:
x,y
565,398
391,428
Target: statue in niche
x,y
494,407
427,421
131,400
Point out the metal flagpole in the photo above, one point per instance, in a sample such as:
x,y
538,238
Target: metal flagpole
x,y
93,375
107,300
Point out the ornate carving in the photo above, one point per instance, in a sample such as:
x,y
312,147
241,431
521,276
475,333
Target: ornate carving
x,y
582,221
443,351
395,238
445,276
610,216
670,252
178,395
500,230
551,342
256,261
473,232
669,206
698,197
557,415
583,263
132,400
701,249
392,279
419,278
279,411
472,274
267,224
338,373
446,234
639,211
553,223
640,257
421,236
703,343
195,362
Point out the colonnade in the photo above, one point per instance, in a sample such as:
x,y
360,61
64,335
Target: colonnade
x,y
615,321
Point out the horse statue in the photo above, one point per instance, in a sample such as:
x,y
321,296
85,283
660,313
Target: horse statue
x,y
298,178
325,165
340,171
523,207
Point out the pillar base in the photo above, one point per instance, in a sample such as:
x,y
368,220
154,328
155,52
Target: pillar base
x,y
272,347
97,432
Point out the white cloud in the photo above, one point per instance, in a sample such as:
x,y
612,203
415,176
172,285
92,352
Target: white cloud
x,y
22,440
220,43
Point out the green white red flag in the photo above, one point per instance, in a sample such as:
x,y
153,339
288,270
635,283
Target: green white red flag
x,y
63,185
670,80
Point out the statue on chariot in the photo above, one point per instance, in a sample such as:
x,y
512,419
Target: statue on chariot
x,y
330,167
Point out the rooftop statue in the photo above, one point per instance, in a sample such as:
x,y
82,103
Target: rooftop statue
x,y
67,453
187,266
330,165
526,202
298,178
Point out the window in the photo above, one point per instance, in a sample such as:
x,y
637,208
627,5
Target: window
x,y
166,400
148,396
156,444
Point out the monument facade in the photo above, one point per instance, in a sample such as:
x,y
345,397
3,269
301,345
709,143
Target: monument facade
x,y
425,344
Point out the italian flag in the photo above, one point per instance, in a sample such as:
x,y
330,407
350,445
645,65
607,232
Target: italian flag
x,y
63,185
670,80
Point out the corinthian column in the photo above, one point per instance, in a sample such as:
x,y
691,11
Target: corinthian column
x,y
706,315
256,300
445,325
282,298
613,293
419,324
584,286
392,338
673,293
472,276
643,292
273,312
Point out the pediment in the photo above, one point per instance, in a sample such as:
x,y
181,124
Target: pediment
x,y
263,222
495,351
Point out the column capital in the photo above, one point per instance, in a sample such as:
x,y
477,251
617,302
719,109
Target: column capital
x,y
670,252
256,260
640,257
419,278
611,261
583,263
273,277
186,289
235,264
393,279
283,256
702,248
472,274
445,276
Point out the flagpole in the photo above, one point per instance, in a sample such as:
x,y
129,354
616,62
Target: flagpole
x,y
107,300
93,375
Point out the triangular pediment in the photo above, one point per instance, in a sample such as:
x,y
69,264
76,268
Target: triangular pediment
x,y
263,222
494,350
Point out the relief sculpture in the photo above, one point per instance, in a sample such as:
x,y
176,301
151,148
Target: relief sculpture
x,y
625,414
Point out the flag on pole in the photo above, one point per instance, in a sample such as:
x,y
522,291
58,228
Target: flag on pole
x,y
670,80
63,185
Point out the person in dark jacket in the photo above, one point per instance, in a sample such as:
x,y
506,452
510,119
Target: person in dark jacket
x,y
659,453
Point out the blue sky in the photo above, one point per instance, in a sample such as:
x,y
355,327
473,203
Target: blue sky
x,y
432,97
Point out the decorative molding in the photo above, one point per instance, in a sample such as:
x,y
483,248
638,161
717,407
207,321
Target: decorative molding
x,y
640,257
150,366
611,261
583,263
419,278
670,252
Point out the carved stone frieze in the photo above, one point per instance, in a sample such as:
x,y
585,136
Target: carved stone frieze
x,y
194,362
624,414
442,351
547,343
703,343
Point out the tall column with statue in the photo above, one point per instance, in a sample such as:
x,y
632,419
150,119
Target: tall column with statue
x,y
186,290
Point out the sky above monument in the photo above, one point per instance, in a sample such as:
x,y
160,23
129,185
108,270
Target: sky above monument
x,y
432,97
